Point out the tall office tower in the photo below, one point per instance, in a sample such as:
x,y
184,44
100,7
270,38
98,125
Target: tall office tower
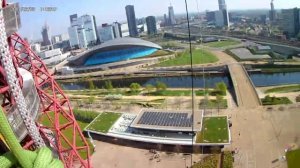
x,y
290,22
223,9
46,35
226,17
166,20
272,12
95,27
131,20
172,20
117,30
151,25
222,5
90,29
82,37
73,34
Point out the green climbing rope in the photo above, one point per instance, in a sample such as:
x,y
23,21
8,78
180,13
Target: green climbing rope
x,y
41,158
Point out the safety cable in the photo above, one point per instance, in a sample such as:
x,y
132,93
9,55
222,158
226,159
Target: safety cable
x,y
192,76
17,156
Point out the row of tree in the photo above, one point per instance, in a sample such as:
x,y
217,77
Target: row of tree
x,y
134,87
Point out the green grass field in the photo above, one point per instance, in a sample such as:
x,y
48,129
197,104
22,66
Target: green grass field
x,y
293,159
103,122
176,93
68,132
219,44
213,104
275,100
228,160
284,89
214,130
199,57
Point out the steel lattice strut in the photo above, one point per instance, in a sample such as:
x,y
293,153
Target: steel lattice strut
x,y
53,100
14,86
16,53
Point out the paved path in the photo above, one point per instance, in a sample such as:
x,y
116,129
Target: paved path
x,y
245,91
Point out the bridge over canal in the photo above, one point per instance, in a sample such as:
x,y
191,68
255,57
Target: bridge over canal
x,y
246,95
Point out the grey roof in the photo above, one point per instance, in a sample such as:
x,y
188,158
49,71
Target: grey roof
x,y
128,41
260,47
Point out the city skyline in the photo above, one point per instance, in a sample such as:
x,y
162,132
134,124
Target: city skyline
x,y
109,12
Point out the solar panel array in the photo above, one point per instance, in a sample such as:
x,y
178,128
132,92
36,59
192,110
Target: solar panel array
x,y
166,119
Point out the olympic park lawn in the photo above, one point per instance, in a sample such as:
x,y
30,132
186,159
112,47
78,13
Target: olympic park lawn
x,y
225,43
293,160
200,56
214,130
68,132
104,122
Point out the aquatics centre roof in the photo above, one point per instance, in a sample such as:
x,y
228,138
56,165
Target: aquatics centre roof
x,y
125,43
128,41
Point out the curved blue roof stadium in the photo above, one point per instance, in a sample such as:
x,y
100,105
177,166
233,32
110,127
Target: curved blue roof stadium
x,y
116,50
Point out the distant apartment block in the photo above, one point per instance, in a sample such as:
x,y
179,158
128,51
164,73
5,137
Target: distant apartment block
x,y
290,22
59,38
117,30
106,32
210,16
82,32
221,18
74,40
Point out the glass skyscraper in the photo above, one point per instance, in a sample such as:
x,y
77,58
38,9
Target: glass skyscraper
x,y
131,20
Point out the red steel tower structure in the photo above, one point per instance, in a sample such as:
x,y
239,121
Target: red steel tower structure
x,y
67,140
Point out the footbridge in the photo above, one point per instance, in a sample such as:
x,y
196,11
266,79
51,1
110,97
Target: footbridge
x,y
246,95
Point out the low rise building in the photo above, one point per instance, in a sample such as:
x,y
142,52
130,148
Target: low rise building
x,y
52,57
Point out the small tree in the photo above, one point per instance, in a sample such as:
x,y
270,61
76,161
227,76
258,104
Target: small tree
x,y
160,86
221,86
91,99
134,87
108,85
91,85
149,88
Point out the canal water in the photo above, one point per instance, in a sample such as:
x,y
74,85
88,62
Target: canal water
x,y
259,79
273,79
171,82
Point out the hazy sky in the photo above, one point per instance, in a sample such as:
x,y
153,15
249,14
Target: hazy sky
x,y
107,11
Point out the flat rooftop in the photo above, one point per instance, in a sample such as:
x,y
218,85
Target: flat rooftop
x,y
168,120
